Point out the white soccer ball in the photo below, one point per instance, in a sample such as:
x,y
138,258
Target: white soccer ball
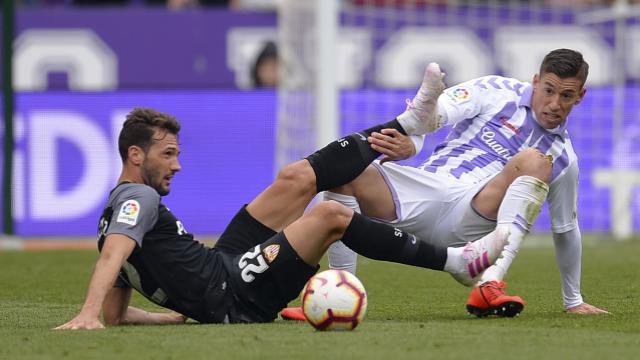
x,y
334,300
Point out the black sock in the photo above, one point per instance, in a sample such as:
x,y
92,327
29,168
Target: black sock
x,y
343,160
383,242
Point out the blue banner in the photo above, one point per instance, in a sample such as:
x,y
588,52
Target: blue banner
x,y
66,158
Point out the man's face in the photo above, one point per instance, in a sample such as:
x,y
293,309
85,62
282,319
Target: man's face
x,y
161,162
553,98
268,73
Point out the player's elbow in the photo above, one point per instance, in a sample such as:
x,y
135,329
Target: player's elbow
x,y
113,317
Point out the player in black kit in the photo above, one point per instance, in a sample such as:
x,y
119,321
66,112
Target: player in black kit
x,y
266,254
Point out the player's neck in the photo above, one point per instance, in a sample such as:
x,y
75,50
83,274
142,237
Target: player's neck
x,y
130,176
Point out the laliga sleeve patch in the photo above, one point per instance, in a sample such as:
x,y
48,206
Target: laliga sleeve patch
x,y
459,94
129,212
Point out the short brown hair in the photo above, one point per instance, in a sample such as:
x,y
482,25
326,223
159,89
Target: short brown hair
x,y
139,127
565,63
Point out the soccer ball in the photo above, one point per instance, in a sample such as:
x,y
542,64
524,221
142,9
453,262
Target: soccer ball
x,y
334,300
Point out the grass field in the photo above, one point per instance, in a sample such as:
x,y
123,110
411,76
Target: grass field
x,y
413,314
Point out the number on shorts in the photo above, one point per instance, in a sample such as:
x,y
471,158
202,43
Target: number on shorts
x,y
249,269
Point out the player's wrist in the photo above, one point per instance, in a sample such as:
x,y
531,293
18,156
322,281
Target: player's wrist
x,y
90,311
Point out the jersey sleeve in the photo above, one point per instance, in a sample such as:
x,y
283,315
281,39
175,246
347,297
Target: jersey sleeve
x,y
460,102
562,200
568,247
135,212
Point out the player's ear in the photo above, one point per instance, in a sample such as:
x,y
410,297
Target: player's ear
x,y
536,80
135,154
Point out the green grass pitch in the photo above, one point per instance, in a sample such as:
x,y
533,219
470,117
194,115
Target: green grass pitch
x,y
413,314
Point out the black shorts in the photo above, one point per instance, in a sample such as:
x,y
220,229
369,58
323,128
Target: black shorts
x,y
265,272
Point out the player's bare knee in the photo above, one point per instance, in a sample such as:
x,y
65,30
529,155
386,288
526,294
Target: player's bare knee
x,y
533,163
335,216
298,177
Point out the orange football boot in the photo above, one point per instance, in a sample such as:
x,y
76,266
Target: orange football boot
x,y
489,298
293,313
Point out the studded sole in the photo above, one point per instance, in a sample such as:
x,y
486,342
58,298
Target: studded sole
x,y
507,309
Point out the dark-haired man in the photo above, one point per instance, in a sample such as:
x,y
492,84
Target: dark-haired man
x,y
507,152
267,252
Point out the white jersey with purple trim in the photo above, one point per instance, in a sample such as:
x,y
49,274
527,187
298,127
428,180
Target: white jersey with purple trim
x,y
492,121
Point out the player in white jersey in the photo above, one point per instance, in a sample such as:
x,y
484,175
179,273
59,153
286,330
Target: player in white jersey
x,y
507,152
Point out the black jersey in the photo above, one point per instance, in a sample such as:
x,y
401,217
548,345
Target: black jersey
x,y
167,265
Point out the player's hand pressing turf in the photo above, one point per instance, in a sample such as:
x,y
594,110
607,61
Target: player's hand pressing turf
x,y
81,322
585,308
392,144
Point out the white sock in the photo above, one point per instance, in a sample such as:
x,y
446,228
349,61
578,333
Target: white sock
x,y
519,210
340,256
410,123
454,262
498,270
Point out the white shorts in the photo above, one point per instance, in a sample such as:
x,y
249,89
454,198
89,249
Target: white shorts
x,y
435,207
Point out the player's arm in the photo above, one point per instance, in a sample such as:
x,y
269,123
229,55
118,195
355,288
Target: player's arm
x,y
135,316
568,240
117,311
115,251
569,255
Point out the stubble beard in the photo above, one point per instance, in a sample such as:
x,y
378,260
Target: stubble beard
x,y
149,175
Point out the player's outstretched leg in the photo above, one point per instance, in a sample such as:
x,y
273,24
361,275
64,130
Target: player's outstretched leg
x,y
336,164
343,160
380,241
421,116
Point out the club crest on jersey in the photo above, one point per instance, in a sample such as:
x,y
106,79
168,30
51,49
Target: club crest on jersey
x,y
129,212
271,252
459,94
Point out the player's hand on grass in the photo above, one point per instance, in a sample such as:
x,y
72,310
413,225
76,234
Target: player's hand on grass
x,y
392,144
81,322
585,308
